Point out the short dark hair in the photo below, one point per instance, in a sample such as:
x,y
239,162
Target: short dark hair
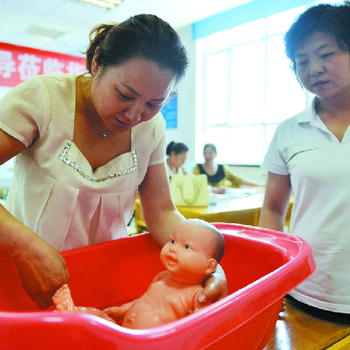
x,y
176,147
326,18
144,36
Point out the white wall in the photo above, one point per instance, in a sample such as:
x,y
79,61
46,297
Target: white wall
x,y
189,115
186,128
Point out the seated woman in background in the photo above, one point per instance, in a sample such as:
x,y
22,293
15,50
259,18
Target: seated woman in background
x,y
177,155
218,174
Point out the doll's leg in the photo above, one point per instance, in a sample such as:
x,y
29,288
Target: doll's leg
x,y
63,299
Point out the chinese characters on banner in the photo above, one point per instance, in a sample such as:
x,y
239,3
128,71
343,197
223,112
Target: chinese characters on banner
x,y
18,63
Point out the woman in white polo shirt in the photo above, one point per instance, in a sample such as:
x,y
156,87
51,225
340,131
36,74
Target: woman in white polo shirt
x,y
309,155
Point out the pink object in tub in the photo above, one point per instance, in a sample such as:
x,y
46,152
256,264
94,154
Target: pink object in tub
x,y
261,267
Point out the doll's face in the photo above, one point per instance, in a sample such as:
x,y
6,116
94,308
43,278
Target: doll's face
x,y
188,253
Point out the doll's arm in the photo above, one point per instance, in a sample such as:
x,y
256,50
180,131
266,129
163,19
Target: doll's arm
x,y
117,313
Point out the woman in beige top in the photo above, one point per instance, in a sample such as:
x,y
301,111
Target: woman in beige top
x,y
84,146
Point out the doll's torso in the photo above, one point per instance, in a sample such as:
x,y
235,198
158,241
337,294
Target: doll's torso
x,y
165,301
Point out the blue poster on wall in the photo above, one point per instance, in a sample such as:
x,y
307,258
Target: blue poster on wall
x,y
169,112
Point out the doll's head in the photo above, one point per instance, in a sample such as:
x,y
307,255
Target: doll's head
x,y
193,251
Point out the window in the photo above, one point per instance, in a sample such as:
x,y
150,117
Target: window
x,y
248,87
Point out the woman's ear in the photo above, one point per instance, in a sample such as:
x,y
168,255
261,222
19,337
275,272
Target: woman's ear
x,y
94,65
212,263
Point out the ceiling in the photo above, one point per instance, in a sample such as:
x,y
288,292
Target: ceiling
x,y
73,20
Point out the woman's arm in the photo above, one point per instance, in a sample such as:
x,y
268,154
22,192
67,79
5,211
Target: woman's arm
x,y
9,147
237,181
41,268
277,197
158,208
161,216
251,183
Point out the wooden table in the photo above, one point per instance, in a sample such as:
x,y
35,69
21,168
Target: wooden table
x,y
241,206
236,206
297,330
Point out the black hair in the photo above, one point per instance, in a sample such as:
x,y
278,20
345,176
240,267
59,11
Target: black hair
x,y
211,146
144,36
176,147
326,18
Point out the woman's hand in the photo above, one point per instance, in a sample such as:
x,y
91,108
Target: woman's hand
x,y
215,287
218,190
42,271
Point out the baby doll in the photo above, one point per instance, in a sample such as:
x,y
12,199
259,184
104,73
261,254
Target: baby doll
x,y
192,253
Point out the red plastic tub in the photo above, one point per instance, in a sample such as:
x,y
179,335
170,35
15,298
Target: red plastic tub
x,y
261,267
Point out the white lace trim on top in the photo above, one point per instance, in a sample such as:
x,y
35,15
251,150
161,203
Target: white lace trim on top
x,y
63,157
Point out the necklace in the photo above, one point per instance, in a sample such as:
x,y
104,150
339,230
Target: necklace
x,y
103,134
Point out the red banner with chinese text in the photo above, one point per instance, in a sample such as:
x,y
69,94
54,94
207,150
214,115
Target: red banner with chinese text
x,y
18,63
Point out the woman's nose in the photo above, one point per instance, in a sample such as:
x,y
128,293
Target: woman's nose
x,y
134,113
316,67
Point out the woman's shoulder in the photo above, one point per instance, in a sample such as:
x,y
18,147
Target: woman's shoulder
x,y
293,123
198,169
153,129
47,86
60,82
148,138
157,122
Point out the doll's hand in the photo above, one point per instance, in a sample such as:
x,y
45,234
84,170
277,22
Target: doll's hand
x,y
118,312
215,287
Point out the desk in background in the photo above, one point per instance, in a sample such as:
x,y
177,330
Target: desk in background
x,y
240,206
